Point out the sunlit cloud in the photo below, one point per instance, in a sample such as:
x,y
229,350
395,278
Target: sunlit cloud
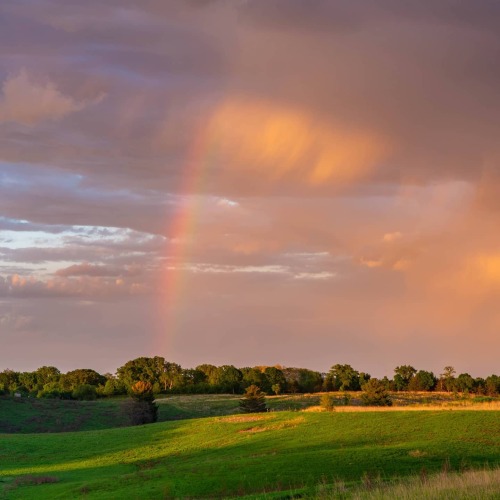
x,y
276,144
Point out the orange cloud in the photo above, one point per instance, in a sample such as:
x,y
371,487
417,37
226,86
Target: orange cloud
x,y
278,143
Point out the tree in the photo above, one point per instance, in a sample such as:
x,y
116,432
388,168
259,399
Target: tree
x,y
375,394
447,379
29,381
142,369
113,386
9,380
309,380
344,378
422,381
254,376
403,376
141,407
85,392
464,383
211,372
229,378
492,385
170,375
275,377
47,374
81,376
253,401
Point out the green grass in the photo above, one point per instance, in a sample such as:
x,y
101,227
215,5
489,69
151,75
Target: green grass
x,y
245,454
22,415
215,405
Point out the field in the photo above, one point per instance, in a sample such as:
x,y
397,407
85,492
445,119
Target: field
x,y
274,455
31,415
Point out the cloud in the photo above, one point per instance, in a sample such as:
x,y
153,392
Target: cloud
x,y
321,173
269,144
27,102
389,237
15,322
87,269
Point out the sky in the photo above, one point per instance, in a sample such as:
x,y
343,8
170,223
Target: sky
x,y
250,182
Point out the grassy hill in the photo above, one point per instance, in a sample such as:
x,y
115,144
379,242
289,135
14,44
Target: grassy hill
x,y
30,415
244,454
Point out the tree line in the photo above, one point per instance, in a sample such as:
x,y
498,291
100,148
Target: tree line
x,y
165,377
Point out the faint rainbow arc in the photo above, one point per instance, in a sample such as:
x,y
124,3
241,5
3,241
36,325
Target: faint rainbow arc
x,y
181,235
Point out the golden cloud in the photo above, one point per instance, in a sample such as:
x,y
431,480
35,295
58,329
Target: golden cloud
x,y
278,143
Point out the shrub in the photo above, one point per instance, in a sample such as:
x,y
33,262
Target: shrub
x,y
327,402
375,394
84,392
141,408
253,401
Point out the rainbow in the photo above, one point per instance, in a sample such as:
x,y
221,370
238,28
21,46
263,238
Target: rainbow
x,y
182,239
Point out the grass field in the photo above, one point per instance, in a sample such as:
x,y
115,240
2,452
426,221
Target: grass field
x,y
31,415
246,454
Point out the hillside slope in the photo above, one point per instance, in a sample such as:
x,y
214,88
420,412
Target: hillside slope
x,y
241,454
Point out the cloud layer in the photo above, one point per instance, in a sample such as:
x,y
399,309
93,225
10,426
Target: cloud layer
x,y
269,181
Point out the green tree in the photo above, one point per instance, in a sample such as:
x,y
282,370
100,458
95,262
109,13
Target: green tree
x,y
113,387
170,375
375,394
29,381
253,401
47,374
447,379
422,381
254,376
81,376
229,378
492,385
275,376
211,372
142,369
464,383
85,392
309,380
344,378
403,376
9,380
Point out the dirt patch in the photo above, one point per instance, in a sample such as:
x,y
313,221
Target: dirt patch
x,y
253,430
246,418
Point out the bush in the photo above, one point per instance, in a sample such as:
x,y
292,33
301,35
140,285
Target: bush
x,y
327,402
141,408
253,401
49,394
375,394
85,392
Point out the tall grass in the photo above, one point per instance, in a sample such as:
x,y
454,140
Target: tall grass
x,y
473,484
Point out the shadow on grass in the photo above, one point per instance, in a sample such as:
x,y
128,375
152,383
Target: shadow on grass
x,y
151,461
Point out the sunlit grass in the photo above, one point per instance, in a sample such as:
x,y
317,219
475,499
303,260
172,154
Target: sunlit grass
x,y
245,454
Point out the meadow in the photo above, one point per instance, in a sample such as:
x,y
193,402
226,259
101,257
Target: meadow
x,y
32,415
279,454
